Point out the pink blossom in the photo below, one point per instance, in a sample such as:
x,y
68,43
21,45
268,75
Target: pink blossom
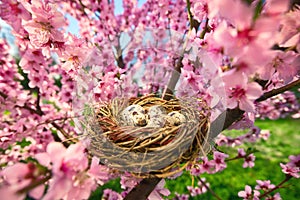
x,y
99,173
264,134
290,170
158,191
238,12
76,54
228,141
192,79
200,10
206,166
109,194
181,196
249,161
289,33
107,87
251,135
264,185
195,170
240,92
274,197
198,190
10,193
241,153
13,12
276,7
68,170
19,176
128,181
286,64
247,194
219,161
43,28
294,160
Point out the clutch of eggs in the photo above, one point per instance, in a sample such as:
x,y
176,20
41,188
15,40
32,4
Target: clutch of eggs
x,y
156,117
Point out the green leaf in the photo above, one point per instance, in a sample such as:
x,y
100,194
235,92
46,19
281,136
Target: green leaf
x,y
55,135
258,9
24,143
113,184
6,112
72,123
251,150
57,81
45,101
25,81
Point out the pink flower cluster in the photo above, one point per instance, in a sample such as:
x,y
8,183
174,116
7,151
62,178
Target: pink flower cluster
x,y
255,50
128,182
249,159
253,135
292,168
248,194
199,189
215,165
264,186
65,169
281,106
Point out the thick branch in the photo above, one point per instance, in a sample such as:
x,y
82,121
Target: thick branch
x,y
173,80
120,62
143,189
274,92
205,30
193,22
34,184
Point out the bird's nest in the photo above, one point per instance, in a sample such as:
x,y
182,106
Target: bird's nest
x,y
148,136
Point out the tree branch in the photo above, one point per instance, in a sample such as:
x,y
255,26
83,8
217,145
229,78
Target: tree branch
x,y
209,189
39,112
143,189
276,91
287,178
34,184
167,95
205,30
193,22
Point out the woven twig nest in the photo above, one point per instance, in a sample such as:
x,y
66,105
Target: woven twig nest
x,y
149,136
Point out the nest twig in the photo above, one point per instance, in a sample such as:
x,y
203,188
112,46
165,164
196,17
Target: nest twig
x,y
147,151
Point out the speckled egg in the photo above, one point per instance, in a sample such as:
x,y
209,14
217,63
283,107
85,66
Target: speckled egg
x,y
156,116
133,115
175,118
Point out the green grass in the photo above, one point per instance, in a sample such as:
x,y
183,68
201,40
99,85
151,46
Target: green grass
x,y
284,141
